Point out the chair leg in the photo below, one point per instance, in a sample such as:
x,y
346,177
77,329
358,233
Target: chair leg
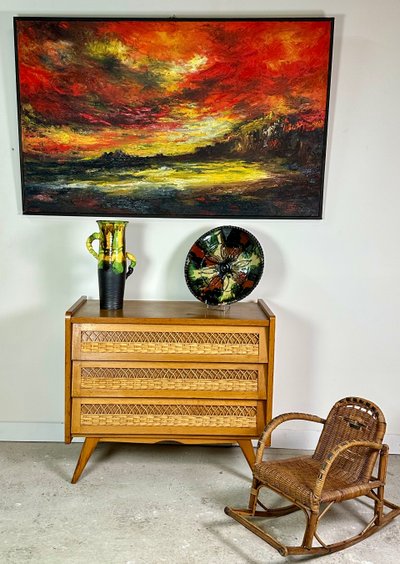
x,y
267,512
378,505
254,495
382,470
311,527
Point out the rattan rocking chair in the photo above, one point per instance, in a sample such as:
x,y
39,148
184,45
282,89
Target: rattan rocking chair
x,y
340,469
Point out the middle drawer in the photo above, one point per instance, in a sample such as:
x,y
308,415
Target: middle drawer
x,y
168,379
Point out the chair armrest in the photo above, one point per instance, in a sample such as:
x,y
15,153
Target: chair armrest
x,y
330,458
275,422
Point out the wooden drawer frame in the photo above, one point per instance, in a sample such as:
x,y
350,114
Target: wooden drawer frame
x,y
138,416
168,371
149,342
168,379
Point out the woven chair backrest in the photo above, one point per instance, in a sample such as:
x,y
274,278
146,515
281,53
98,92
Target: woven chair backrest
x,y
352,419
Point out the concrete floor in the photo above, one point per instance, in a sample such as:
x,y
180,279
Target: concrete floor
x,y
149,504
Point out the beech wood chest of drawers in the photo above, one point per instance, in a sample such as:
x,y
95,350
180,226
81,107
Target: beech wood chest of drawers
x,y
168,371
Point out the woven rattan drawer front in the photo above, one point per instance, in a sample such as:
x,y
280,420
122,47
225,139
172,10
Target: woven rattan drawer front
x,y
186,417
160,342
167,379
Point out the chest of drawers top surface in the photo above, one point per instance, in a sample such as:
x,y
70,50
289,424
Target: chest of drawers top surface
x,y
172,312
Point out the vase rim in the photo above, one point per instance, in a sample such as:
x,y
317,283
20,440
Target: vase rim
x,y
118,221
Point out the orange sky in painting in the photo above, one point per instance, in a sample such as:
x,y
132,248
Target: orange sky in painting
x,y
150,87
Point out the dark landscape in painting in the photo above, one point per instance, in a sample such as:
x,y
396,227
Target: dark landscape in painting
x,y
173,118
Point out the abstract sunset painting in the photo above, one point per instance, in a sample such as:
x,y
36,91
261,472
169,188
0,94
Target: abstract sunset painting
x,y
173,117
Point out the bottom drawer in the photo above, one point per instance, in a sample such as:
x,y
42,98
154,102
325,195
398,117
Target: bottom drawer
x,y
165,417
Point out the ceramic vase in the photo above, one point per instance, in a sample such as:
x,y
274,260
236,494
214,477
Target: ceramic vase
x,y
111,262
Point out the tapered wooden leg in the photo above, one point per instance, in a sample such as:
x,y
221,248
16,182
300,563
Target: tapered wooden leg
x,y
310,530
248,450
87,449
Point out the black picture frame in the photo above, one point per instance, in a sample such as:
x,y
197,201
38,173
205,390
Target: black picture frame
x,y
173,117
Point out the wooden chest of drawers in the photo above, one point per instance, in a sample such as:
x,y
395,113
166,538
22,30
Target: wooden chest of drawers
x,y
168,371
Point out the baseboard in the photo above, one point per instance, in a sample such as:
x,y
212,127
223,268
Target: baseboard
x,y
33,431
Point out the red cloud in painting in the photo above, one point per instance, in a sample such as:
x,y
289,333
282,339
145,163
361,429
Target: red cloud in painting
x,y
86,85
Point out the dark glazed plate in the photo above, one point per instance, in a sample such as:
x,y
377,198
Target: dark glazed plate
x,y
224,265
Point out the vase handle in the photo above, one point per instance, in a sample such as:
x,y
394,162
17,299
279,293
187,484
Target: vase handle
x,y
132,258
89,242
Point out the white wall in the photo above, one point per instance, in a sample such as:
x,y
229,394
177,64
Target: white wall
x,y
333,283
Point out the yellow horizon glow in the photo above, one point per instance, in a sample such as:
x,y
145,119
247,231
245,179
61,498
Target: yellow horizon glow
x,y
139,142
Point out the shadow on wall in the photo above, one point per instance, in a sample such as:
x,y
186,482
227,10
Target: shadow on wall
x,y
52,273
296,384
32,382
64,267
135,243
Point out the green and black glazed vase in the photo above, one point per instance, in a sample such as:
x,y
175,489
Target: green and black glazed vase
x,y
112,262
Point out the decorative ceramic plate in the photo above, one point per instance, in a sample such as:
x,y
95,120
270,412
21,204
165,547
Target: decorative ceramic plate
x,y
224,265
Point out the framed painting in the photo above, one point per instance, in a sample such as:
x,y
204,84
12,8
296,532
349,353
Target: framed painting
x,y
173,117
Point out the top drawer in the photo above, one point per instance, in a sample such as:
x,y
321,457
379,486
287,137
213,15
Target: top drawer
x,y
168,342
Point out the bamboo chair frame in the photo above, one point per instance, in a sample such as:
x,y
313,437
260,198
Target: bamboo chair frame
x,y
341,468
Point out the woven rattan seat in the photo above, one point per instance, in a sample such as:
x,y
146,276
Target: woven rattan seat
x,y
297,478
341,468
